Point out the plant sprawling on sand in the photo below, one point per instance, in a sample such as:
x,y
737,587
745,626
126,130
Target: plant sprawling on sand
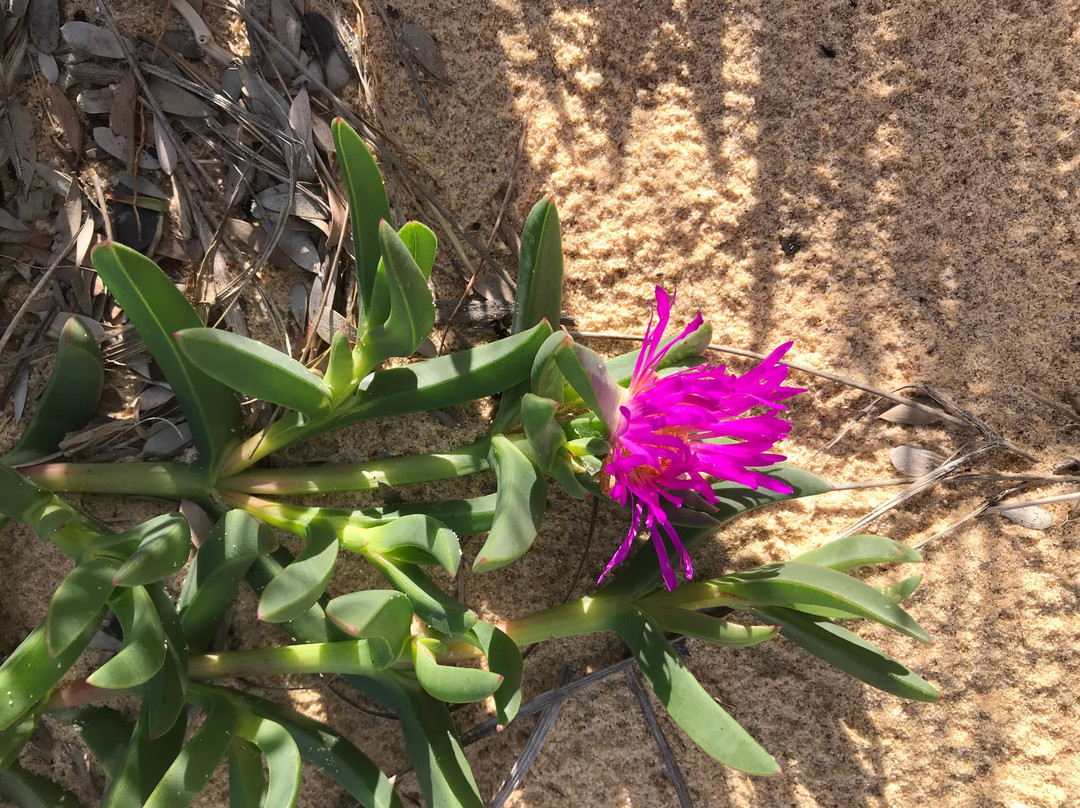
x,y
676,446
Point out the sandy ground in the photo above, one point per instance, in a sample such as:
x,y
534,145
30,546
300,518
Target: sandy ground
x,y
893,188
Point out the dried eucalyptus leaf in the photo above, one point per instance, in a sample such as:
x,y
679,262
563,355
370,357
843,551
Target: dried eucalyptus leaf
x,y
298,304
18,398
122,111
301,249
425,51
18,135
58,181
494,288
183,42
83,241
915,462
48,67
43,21
909,415
176,100
69,119
287,25
276,198
92,39
70,216
96,101
165,149
9,222
117,146
315,297
37,204
153,397
1030,516
141,185
300,121
232,84
166,438
323,137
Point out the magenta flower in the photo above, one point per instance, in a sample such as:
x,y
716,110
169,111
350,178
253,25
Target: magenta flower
x,y
663,438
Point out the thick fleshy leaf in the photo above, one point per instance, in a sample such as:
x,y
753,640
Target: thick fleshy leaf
x,y
544,433
410,539
710,629
247,783
795,583
466,517
686,701
901,590
421,243
189,773
219,566
28,790
69,400
897,593
165,695
335,755
164,545
14,737
432,605
339,377
411,307
78,602
255,369
158,310
282,759
429,385
572,478
30,672
545,378
449,682
299,585
586,372
848,652
105,732
520,505
144,762
374,614
504,658
858,551
436,754
52,518
367,207
540,268
445,381
145,643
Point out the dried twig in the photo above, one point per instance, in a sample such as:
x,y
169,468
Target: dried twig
x,y
532,747
671,763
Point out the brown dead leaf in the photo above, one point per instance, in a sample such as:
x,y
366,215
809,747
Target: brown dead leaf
x,y
69,119
43,21
92,39
425,51
122,110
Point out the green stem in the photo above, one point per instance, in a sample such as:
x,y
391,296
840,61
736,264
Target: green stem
x,y
694,596
362,476
166,480
586,615
350,657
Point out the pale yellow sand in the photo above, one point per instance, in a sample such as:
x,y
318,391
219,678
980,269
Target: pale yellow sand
x,y
928,173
